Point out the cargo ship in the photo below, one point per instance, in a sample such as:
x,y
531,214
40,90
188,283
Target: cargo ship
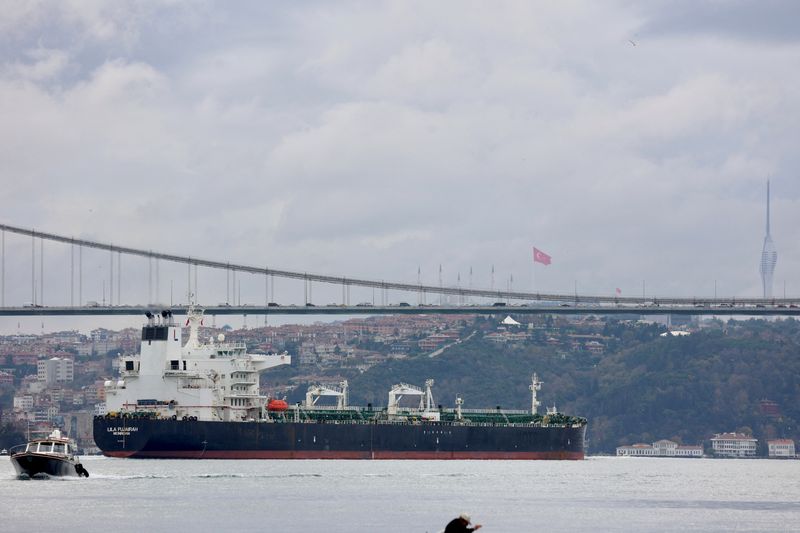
x,y
201,400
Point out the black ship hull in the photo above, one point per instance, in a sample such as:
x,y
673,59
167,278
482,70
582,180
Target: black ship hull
x,y
40,465
192,439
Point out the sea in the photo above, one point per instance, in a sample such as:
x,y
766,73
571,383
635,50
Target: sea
x,y
597,494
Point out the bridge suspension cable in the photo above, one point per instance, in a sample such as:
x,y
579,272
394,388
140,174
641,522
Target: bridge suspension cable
x,y
346,282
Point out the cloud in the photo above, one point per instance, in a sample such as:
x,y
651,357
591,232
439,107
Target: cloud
x,y
375,138
770,20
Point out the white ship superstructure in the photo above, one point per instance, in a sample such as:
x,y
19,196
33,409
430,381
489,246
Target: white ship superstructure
x,y
215,380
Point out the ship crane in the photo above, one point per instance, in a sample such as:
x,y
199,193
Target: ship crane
x,y
315,392
400,390
535,387
426,404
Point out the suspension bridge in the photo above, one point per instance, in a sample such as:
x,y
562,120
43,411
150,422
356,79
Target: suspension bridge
x,y
497,301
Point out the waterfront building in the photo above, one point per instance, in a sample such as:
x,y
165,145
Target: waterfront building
x,y
734,445
781,448
661,448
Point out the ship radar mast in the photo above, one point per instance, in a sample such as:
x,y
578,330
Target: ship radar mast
x,y
428,395
535,386
194,320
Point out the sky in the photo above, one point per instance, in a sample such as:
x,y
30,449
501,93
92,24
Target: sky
x,y
631,141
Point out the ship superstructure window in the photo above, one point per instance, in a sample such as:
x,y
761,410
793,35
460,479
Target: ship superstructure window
x,y
45,447
155,333
129,365
59,448
173,364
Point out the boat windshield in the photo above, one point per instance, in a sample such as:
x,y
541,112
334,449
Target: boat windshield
x,y
59,448
45,447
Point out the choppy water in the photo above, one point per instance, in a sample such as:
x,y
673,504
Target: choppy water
x,y
598,494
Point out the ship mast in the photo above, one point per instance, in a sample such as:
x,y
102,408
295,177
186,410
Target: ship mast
x,y
194,321
535,386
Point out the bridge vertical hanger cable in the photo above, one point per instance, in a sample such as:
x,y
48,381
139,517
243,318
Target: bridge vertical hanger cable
x,y
33,269
158,281
72,275
149,280
41,270
111,278
3,276
80,275
266,294
119,278
195,282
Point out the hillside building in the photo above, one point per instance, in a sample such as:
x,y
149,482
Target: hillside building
x,y
55,370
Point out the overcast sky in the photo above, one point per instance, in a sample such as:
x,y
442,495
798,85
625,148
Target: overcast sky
x,y
631,141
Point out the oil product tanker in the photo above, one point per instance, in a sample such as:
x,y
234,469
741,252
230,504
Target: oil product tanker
x,y
201,400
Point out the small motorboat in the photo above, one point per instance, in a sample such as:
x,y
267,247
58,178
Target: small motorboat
x,y
51,456
3,452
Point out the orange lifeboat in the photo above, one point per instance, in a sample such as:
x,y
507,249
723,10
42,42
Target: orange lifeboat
x,y
277,405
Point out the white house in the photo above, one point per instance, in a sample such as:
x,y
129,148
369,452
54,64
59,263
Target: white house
x,y
734,445
781,448
661,448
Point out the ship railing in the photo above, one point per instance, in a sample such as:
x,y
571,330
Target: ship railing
x,y
230,349
490,411
440,423
189,374
19,448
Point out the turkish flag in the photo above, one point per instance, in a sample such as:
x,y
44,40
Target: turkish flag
x,y
540,257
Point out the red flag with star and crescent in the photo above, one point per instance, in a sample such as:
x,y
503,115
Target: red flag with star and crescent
x,y
540,257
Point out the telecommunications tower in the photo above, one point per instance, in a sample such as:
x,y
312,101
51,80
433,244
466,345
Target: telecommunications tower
x,y
768,257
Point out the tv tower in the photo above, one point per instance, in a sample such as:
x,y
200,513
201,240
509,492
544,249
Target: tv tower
x,y
768,257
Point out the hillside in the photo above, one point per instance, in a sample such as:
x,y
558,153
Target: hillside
x,y
645,387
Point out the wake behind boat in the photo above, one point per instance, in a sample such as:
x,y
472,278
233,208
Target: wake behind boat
x,y
51,456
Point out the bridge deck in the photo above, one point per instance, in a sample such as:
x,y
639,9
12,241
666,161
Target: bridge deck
x,y
538,309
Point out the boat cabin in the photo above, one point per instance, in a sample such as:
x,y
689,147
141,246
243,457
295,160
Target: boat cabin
x,y
49,447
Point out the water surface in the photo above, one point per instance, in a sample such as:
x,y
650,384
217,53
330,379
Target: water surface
x,y
598,494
